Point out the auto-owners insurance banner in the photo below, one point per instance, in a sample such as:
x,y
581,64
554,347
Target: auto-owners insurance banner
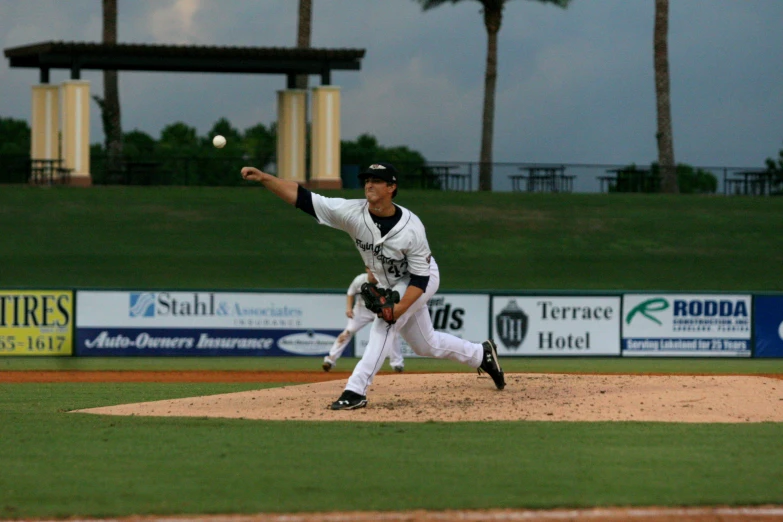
x,y
206,323
686,325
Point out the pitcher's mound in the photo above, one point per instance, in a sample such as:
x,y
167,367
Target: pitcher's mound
x,y
466,397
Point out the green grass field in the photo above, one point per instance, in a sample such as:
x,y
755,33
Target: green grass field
x,y
245,238
655,365
59,464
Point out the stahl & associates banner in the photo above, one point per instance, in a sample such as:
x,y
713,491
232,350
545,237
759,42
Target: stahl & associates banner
x,y
206,323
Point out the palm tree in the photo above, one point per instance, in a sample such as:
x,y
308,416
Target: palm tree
x,y
303,35
663,98
303,31
493,16
110,103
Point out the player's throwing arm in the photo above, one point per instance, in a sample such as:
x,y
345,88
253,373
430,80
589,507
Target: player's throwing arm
x,y
393,245
285,189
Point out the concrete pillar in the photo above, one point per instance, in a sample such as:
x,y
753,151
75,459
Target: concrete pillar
x,y
291,132
45,122
75,130
325,139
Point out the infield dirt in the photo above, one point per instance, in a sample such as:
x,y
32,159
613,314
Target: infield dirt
x,y
459,397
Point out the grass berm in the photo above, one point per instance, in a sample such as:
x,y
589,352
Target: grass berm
x,y
246,238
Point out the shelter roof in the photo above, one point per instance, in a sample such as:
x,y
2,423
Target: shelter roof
x,y
182,58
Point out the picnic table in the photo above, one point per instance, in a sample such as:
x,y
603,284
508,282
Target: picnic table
x,y
630,180
749,183
49,172
448,179
542,178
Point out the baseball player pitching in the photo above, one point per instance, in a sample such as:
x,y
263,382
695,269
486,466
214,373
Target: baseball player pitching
x,y
359,316
393,245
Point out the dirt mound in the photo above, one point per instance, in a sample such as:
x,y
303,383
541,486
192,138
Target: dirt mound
x,y
466,397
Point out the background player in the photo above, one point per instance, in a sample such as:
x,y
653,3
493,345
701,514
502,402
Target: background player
x,y
359,317
393,245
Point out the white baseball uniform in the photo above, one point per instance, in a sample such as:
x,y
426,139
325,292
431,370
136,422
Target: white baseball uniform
x,y
392,259
361,318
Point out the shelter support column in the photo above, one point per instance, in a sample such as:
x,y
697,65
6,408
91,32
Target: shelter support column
x,y
45,123
325,140
291,127
75,130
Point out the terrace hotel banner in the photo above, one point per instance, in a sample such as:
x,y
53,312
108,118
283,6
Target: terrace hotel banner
x,y
556,325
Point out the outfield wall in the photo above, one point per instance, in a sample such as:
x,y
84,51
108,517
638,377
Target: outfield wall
x,y
89,323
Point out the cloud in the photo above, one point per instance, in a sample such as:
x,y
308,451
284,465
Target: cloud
x,y
176,22
574,85
411,106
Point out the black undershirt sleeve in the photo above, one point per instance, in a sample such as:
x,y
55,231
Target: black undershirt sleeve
x,y
419,282
304,201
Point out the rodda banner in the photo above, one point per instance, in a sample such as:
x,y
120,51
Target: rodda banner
x,y
686,325
36,322
556,325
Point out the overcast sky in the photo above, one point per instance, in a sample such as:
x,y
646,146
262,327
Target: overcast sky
x,y
574,85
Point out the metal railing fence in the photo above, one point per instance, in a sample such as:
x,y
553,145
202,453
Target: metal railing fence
x,y
432,175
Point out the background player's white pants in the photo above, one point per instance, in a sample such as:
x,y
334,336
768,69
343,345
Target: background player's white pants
x,y
361,317
415,326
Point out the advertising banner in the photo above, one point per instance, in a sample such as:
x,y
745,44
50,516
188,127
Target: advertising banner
x,y
463,315
686,325
36,322
206,323
768,320
562,325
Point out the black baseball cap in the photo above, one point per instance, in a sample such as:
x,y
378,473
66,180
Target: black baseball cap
x,y
381,170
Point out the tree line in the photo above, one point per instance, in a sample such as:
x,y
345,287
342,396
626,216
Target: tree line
x,y
180,155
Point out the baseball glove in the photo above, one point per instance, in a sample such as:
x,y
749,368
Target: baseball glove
x,y
380,301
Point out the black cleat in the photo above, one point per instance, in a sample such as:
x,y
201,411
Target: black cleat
x,y
490,364
349,401
398,369
326,366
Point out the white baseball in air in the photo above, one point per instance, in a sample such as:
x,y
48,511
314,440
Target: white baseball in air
x,y
219,141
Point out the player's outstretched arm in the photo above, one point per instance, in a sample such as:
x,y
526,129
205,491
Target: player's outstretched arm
x,y
285,189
